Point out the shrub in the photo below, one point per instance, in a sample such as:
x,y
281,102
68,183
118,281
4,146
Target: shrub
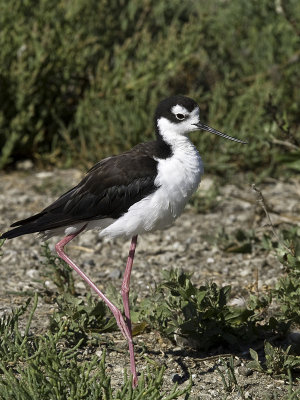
x,y
80,80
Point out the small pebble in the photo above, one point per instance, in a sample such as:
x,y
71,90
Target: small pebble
x,y
244,371
114,274
237,362
80,285
32,273
44,174
99,353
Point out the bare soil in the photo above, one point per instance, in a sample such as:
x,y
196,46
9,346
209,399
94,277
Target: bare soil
x,y
185,245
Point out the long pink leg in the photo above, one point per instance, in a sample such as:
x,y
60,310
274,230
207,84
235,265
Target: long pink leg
x,y
116,312
125,295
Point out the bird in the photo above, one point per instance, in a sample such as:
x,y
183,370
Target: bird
x,y
139,191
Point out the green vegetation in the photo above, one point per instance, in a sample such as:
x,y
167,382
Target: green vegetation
x,y
229,379
85,319
278,361
200,315
57,271
80,80
40,366
204,319
287,291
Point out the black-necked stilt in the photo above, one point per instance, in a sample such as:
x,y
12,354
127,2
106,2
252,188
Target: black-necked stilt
x,y
139,191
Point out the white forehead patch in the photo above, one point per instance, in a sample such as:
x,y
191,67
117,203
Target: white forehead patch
x,y
178,109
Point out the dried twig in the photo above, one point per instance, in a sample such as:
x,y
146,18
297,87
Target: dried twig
x,y
262,203
217,357
83,248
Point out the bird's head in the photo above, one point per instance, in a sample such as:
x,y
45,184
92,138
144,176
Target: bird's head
x,y
179,115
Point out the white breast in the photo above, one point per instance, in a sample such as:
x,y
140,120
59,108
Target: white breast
x,y
178,177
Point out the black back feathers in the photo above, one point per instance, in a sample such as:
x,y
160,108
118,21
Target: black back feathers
x,y
108,190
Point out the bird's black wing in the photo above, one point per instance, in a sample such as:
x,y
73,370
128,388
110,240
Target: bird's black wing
x,y
109,189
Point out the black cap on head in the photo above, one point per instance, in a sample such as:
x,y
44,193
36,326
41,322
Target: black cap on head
x,y
164,107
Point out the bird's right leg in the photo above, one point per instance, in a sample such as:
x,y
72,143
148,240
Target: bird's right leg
x,y
116,312
125,295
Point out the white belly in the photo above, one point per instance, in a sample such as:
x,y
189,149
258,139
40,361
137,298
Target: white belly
x,y
178,177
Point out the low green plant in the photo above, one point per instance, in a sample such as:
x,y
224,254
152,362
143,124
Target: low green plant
x,y
228,376
57,375
285,244
277,361
287,290
58,271
1,244
16,345
238,241
41,367
200,315
84,318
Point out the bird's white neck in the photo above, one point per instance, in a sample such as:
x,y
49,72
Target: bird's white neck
x,y
183,169
181,146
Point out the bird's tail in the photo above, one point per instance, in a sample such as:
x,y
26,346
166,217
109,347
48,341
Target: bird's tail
x,y
24,227
19,231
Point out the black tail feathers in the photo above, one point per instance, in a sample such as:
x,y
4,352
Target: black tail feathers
x,y
19,231
25,226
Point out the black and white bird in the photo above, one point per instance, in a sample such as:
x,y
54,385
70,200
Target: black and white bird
x,y
139,191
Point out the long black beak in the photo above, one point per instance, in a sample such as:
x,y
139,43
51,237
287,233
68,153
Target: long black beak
x,y
207,128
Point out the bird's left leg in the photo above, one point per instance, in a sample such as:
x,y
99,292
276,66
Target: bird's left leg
x,y
125,295
116,312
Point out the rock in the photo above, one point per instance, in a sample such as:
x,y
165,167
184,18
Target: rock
x,y
44,174
32,273
237,362
80,285
50,285
115,274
